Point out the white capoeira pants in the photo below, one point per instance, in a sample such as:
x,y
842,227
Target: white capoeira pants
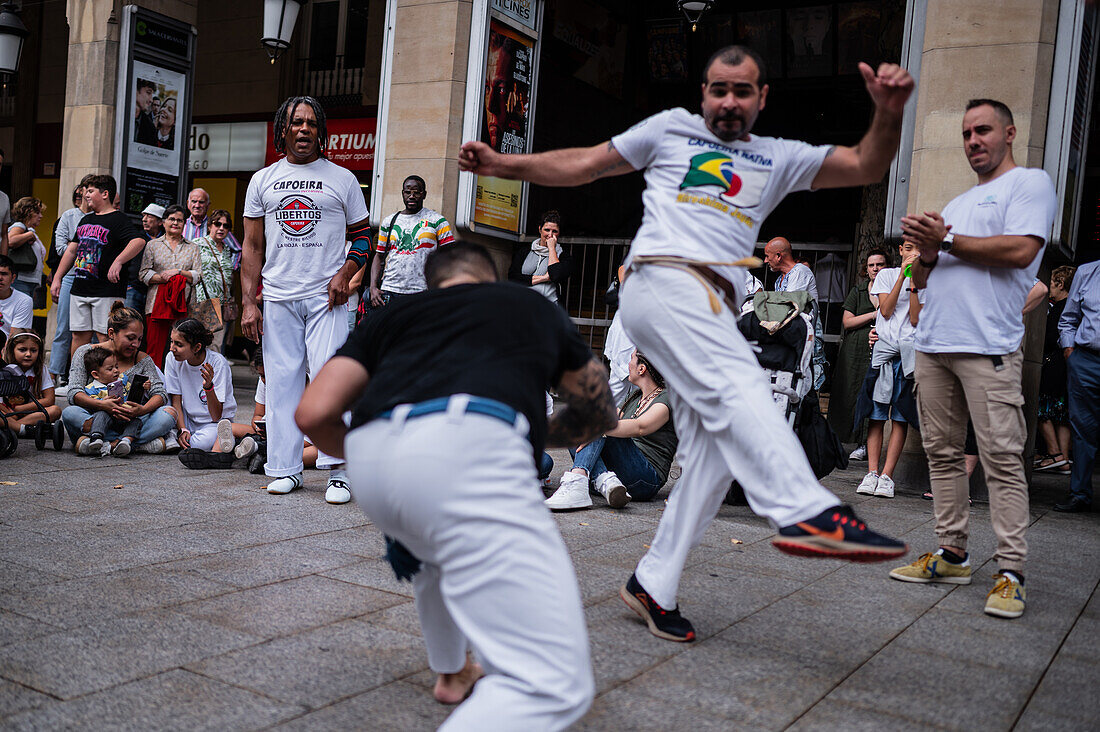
x,y
461,492
297,333
728,425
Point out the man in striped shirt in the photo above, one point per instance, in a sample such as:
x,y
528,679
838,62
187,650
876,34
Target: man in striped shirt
x,y
404,241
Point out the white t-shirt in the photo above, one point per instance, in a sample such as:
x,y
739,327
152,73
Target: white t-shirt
x,y
184,379
799,279
47,378
705,198
306,210
39,252
973,308
261,392
897,328
16,311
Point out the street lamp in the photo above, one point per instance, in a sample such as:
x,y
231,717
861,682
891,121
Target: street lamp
x,y
12,35
279,19
694,9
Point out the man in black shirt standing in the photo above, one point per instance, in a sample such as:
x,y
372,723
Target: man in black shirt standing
x,y
105,240
449,413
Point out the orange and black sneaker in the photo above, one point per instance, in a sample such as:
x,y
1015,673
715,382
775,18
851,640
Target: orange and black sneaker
x,y
837,533
667,624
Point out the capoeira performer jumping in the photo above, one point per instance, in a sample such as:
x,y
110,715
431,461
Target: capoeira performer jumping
x,y
301,210
709,186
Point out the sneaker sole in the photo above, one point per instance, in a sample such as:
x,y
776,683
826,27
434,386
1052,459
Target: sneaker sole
x,y
883,495
636,605
201,460
281,492
933,580
865,491
617,497
225,436
560,509
1003,613
816,547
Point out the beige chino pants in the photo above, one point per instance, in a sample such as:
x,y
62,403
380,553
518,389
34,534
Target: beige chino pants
x,y
951,387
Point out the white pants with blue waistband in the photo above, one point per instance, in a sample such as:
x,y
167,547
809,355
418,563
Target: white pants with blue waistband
x,y
728,425
298,335
461,492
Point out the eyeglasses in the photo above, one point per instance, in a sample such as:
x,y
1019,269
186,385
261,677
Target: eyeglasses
x,y
219,224
175,220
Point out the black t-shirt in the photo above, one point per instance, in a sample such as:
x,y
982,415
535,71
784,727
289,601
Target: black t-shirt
x,y
100,239
499,341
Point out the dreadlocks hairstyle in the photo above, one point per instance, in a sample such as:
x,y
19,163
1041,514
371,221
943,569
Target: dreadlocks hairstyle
x,y
282,122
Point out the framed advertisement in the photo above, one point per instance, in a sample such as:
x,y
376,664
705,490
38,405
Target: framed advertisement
x,y
152,135
667,47
499,111
810,41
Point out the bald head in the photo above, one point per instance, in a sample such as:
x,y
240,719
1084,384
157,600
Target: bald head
x,y
777,253
198,201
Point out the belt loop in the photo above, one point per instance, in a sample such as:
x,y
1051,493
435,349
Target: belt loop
x,y
398,416
456,407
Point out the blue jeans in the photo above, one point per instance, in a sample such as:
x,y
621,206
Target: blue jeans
x,y
546,466
27,288
153,425
63,338
135,298
1083,386
621,456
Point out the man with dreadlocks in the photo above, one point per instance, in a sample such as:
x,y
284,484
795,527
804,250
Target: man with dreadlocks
x,y
300,211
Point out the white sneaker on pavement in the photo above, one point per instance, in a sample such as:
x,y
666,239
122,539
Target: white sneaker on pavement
x,y
171,441
612,489
281,486
571,493
154,446
885,487
337,491
868,484
225,435
860,453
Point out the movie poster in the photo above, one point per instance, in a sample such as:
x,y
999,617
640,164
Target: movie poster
x,y
157,96
810,41
667,51
508,74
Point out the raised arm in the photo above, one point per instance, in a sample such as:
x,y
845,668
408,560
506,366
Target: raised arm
x,y
869,160
567,167
589,409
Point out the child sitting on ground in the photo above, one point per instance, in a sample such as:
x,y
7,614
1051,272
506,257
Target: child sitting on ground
x,y
200,383
23,354
102,366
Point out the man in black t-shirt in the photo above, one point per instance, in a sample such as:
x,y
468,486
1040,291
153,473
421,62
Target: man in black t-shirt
x,y
104,242
449,413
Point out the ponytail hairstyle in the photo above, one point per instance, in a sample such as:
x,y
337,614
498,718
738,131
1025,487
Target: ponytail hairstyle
x,y
194,332
36,367
651,370
122,317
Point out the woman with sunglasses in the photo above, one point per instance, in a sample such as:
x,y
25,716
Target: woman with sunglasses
x,y
217,271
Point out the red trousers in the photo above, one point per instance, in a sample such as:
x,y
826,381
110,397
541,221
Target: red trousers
x,y
158,333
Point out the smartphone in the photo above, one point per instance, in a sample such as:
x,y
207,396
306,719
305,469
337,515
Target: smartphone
x,y
137,389
261,425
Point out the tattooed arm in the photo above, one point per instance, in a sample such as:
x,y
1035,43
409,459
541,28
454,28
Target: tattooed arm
x,y
589,409
567,167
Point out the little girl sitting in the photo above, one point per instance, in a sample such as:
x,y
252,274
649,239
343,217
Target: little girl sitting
x,y
23,354
200,383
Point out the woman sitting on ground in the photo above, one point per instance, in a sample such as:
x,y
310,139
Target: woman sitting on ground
x,y
125,329
632,461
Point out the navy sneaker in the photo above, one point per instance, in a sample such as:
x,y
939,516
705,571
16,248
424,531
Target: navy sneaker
x,y
667,624
837,533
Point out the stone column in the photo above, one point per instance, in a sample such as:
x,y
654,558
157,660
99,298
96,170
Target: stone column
x,y
970,52
88,142
424,112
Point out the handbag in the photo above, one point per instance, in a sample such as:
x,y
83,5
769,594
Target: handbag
x,y
23,258
209,311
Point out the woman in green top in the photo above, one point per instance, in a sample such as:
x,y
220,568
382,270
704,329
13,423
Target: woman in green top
x,y
217,268
632,461
860,309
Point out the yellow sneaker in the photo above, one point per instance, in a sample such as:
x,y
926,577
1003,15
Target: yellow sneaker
x,y
933,568
1006,599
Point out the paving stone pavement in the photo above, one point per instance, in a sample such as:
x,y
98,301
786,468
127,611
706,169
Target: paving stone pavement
x,y
195,600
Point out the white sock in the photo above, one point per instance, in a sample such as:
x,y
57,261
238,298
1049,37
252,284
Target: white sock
x,y
1011,575
22,430
338,474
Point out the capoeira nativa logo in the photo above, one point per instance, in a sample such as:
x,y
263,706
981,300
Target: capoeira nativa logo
x,y
297,215
741,187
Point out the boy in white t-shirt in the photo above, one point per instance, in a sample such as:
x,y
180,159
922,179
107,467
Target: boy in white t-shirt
x,y
892,371
978,261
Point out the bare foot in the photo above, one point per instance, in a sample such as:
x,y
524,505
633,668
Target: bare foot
x,y
453,688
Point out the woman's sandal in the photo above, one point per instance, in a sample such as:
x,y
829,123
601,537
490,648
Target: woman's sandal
x,y
1051,462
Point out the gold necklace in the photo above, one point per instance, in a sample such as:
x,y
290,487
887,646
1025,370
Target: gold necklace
x,y
645,401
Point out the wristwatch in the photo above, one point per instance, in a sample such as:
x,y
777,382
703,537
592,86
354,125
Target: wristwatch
x,y
948,242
